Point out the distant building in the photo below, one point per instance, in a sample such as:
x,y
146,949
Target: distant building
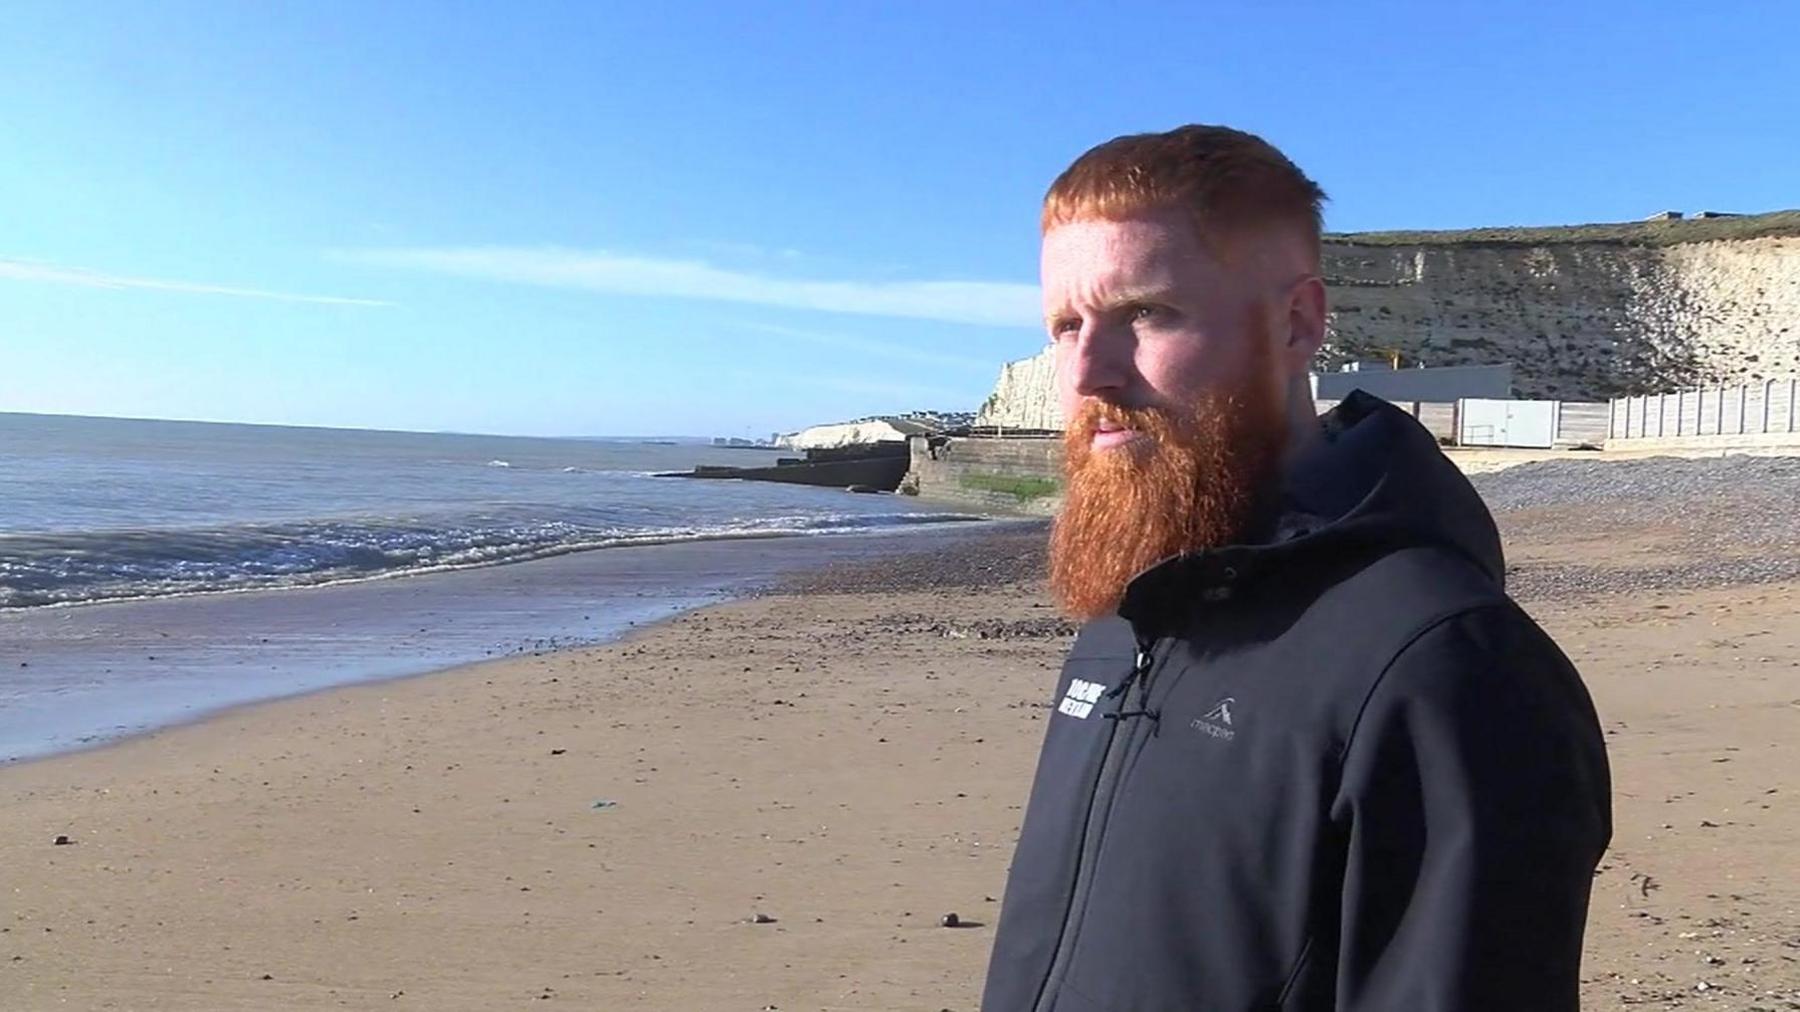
x,y
1438,386
1665,216
941,419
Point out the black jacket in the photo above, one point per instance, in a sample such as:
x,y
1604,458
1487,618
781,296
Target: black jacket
x,y
1336,770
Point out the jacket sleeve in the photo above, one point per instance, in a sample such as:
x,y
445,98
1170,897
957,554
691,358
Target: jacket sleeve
x,y
1475,805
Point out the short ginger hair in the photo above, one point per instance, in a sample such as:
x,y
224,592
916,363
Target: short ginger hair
x,y
1233,184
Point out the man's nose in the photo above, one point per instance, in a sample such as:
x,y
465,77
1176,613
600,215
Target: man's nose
x,y
1101,362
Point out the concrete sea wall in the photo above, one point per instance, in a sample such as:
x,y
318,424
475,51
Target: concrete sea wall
x,y
1015,476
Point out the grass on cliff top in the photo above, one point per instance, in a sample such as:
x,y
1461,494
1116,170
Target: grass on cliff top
x,y
1628,233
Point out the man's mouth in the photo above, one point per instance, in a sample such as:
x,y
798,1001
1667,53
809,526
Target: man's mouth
x,y
1109,434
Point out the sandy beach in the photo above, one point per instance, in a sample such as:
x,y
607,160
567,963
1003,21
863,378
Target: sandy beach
x,y
844,761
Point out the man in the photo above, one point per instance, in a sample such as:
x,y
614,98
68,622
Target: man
x,y
1305,753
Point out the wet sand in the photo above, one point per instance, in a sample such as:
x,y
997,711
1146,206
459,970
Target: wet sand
x,y
847,759
76,676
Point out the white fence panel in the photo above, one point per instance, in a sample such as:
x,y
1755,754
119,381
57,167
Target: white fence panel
x,y
1722,414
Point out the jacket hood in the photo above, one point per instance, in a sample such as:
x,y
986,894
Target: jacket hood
x,y
1376,481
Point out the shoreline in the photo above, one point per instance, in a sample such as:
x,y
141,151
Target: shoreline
x,y
819,577
172,660
939,521
230,710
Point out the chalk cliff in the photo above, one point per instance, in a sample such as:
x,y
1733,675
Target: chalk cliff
x,y
1025,397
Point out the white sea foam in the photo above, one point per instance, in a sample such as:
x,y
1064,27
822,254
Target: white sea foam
x,y
102,509
76,568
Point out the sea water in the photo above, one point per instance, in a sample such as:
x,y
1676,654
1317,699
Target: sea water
x,y
95,509
153,572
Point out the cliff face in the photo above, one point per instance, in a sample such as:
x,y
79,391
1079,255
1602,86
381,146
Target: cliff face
x,y
1025,397
1583,313
1578,321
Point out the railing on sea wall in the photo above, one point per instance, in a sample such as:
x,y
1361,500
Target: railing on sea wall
x,y
1757,411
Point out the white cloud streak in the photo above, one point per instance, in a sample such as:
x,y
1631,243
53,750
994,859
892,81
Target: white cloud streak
x,y
880,349
985,303
53,274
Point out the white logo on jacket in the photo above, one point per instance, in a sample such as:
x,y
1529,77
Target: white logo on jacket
x,y
1217,721
1081,697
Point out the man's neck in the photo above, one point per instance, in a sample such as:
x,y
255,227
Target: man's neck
x,y
1303,429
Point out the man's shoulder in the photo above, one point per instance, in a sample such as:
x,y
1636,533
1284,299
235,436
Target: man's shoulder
x,y
1375,610
1327,647
1427,578
1466,651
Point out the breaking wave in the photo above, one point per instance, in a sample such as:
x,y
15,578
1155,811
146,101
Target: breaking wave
x,y
84,566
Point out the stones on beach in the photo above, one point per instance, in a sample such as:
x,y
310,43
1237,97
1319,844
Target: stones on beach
x,y
558,751
950,920
1753,542
761,918
977,628
61,841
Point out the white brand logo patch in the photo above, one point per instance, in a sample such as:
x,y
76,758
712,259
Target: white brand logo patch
x,y
1217,721
1081,697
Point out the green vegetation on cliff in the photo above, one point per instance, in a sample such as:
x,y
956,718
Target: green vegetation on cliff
x,y
1024,488
1629,233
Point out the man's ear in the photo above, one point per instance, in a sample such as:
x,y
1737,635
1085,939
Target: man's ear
x,y
1305,321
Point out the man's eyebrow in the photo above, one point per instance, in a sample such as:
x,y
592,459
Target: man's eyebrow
x,y
1132,296
1116,300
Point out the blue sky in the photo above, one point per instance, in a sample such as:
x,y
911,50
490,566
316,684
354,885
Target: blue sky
x,y
608,218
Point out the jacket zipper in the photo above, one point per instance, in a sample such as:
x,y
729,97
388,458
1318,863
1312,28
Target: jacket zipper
x,y
1112,761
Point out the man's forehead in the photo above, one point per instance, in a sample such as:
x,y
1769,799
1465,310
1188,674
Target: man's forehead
x,y
1135,252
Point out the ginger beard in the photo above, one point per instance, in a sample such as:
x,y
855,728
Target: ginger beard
x,y
1193,479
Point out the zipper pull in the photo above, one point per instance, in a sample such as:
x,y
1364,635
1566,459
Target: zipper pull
x,y
1140,671
1143,659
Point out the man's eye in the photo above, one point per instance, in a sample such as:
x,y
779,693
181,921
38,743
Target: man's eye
x,y
1145,312
1065,328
